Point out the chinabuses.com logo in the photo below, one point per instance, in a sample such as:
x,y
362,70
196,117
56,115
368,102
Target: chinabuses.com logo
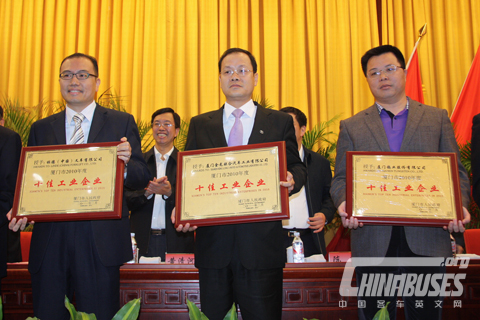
x,y
384,284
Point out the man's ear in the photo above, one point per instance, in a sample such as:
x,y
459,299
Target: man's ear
x,y
303,129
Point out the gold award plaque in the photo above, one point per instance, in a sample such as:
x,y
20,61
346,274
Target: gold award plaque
x,y
406,187
240,184
57,183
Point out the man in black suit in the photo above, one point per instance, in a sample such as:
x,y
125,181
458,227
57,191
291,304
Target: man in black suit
x,y
14,250
151,208
476,158
83,257
311,208
10,148
243,263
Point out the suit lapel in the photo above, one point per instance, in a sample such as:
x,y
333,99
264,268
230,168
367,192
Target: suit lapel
x,y
98,121
151,162
374,123
415,115
215,129
262,121
58,126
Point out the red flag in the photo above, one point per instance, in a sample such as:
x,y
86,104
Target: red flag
x,y
467,104
413,87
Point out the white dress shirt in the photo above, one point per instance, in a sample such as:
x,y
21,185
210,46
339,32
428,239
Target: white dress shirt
x,y
247,119
158,215
86,123
298,206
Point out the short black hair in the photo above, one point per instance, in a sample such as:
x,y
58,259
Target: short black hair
x,y
377,51
299,115
82,55
236,50
1,113
176,117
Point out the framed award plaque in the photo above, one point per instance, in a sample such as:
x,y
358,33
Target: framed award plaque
x,y
69,182
232,185
400,188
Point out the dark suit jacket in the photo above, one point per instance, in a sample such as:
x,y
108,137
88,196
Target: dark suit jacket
x,y
476,159
428,129
142,210
10,148
112,237
317,190
259,245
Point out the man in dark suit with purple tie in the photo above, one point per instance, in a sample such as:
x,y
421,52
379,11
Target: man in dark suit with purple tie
x,y
243,263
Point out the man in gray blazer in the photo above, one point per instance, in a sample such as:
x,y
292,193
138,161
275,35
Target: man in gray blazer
x,y
398,124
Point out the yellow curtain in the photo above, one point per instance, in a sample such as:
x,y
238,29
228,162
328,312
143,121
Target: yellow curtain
x,y
164,53
445,52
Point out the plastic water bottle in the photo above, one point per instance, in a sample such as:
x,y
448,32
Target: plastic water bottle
x,y
134,249
297,246
454,245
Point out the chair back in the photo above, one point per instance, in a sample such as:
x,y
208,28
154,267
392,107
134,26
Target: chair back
x,y
472,241
25,238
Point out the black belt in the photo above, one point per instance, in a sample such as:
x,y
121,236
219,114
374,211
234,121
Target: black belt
x,y
157,232
290,232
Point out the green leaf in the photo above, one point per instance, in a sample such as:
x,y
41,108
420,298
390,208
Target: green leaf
x,y
232,314
34,318
194,313
181,139
19,118
109,99
70,308
129,311
262,101
382,314
320,134
144,130
85,316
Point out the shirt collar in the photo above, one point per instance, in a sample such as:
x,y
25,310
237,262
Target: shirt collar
x,y
158,155
87,112
301,152
249,108
380,108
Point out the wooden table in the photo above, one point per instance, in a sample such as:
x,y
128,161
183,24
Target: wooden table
x,y
310,290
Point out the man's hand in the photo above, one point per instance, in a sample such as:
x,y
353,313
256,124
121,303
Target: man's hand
x,y
124,151
159,186
15,225
458,225
317,222
290,183
180,227
350,223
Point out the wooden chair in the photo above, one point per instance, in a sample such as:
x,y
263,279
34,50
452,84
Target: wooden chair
x,y
25,238
472,241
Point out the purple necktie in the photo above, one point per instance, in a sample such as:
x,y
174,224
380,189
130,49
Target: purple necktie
x,y
236,134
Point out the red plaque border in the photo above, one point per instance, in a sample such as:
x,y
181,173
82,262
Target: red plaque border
x,y
284,214
116,213
400,221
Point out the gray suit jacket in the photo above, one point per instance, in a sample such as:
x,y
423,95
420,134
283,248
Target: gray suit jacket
x,y
428,129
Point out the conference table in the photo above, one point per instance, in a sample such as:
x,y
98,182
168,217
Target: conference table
x,y
310,290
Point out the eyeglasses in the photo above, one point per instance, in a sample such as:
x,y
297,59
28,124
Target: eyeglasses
x,y
242,72
165,125
388,70
82,75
